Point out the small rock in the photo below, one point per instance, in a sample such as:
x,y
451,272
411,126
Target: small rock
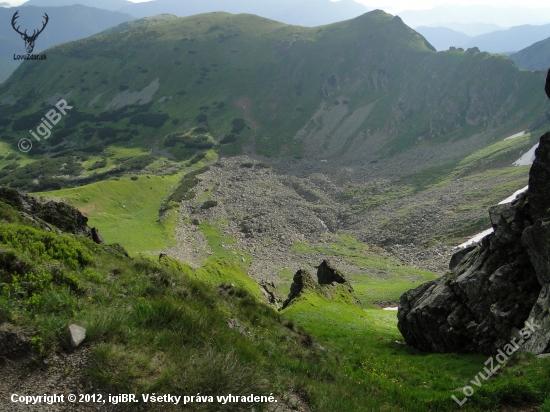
x,y
76,334
543,356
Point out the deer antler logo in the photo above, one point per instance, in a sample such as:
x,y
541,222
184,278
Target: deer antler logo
x,y
29,40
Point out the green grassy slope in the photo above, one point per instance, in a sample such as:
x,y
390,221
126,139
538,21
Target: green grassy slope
x,y
225,81
147,322
126,211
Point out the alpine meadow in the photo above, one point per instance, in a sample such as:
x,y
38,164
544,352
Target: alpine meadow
x,y
222,212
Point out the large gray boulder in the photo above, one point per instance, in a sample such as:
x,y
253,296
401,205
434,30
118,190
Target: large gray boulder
x,y
494,287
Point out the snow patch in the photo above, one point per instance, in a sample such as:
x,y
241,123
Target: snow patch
x,y
516,135
528,158
481,235
513,197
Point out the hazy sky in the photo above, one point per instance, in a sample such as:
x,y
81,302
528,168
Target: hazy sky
x,y
399,5
394,6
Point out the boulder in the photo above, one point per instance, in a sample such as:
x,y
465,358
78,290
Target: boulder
x,y
326,274
495,286
331,283
302,280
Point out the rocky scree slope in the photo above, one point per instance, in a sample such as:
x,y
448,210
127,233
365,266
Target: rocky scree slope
x,y
495,286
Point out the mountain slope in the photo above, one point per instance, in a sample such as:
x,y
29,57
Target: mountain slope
x,y
534,57
392,89
6,68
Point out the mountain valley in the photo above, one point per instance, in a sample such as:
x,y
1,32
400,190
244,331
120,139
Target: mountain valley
x,y
221,157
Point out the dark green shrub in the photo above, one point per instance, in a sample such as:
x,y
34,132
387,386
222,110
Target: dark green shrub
x,y
229,138
238,125
98,165
12,166
149,119
209,204
202,118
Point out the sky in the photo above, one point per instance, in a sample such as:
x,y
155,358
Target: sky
x,y
400,5
395,6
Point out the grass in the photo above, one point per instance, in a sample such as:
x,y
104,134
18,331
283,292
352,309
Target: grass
x,y
126,211
382,279
384,375
163,328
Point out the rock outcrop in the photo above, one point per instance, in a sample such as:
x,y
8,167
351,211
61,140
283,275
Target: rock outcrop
x,y
61,215
494,287
330,281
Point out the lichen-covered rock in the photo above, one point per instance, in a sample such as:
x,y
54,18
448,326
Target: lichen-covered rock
x,y
495,286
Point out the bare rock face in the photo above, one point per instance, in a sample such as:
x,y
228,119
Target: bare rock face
x,y
61,215
494,287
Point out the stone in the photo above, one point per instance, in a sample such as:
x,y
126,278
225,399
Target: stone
x,y
77,334
459,256
234,324
494,287
539,180
326,274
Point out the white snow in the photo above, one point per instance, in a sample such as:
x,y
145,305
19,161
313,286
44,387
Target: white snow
x,y
481,235
392,308
513,197
516,135
528,158
475,239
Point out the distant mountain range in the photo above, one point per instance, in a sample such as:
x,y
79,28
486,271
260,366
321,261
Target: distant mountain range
x,y
442,37
112,5
307,13
500,41
534,57
501,16
66,23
